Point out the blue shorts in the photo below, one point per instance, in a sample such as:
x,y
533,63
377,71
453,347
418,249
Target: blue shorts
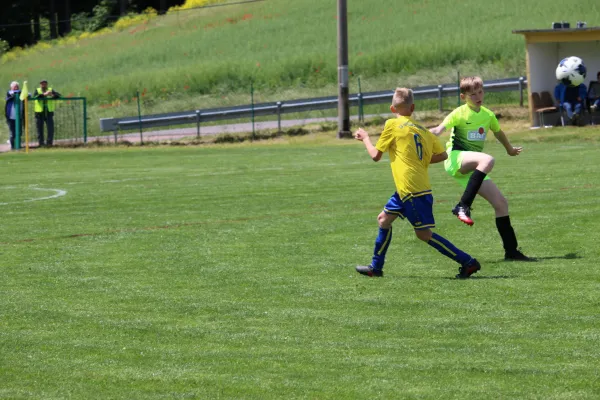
x,y
418,210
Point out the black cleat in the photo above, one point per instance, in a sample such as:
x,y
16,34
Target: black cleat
x,y
469,269
463,213
369,271
516,255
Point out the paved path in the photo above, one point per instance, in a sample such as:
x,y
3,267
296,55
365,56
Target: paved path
x,y
173,134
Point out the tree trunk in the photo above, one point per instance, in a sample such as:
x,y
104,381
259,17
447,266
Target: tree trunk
x,y
52,18
68,16
123,4
64,18
35,16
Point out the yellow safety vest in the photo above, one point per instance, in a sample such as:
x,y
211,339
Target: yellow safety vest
x,y
39,104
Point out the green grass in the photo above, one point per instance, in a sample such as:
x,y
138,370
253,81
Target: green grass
x,y
228,272
209,57
281,45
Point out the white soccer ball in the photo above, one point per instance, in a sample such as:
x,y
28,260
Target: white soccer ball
x,y
571,71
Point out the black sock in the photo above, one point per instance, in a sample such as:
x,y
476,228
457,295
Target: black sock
x,y
507,233
473,186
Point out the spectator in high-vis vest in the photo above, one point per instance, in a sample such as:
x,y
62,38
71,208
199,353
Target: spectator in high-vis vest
x,y
44,112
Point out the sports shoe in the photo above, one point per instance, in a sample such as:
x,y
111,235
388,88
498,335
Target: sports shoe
x,y
593,107
369,271
463,213
516,255
469,269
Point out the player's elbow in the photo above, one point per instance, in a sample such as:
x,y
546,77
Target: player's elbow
x,y
438,130
436,158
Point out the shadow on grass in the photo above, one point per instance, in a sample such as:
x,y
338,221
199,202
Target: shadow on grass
x,y
493,277
568,256
452,278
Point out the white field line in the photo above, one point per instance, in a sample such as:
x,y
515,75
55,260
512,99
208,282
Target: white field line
x,y
57,193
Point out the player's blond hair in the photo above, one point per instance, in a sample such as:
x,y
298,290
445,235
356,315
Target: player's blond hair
x,y
470,84
403,97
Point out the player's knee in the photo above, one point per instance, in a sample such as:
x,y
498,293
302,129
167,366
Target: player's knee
x,y
501,205
423,234
487,163
384,220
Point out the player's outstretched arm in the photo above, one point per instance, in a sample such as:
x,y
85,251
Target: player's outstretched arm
x,y
510,150
363,136
438,130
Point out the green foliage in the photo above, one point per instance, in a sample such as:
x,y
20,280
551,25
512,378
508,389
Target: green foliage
x,y
101,15
228,272
4,47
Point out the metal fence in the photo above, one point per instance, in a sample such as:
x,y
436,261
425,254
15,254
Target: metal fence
x,y
69,121
293,106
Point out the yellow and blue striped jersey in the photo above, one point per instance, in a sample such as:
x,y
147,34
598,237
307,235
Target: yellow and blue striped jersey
x,y
410,147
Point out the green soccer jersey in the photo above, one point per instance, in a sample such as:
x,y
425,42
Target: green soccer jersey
x,y
470,128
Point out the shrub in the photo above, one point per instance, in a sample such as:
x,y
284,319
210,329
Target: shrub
x,y
194,4
4,46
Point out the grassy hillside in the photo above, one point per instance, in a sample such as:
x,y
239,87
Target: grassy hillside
x,y
206,57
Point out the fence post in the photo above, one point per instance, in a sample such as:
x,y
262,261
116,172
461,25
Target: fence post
x,y
440,98
521,79
279,117
252,105
85,120
198,118
26,120
17,105
140,117
361,114
457,88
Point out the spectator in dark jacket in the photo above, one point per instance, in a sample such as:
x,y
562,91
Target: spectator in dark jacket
x,y
570,99
10,110
594,93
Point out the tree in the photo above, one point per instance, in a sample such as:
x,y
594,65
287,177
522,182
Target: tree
x,y
52,18
64,18
123,7
14,24
35,20
20,20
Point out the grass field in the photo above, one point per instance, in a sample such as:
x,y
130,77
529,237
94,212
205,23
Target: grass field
x,y
228,272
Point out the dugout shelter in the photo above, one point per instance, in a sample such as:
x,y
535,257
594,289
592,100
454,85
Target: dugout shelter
x,y
544,50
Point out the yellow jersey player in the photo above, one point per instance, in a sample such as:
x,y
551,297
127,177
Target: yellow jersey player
x,y
411,149
470,167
